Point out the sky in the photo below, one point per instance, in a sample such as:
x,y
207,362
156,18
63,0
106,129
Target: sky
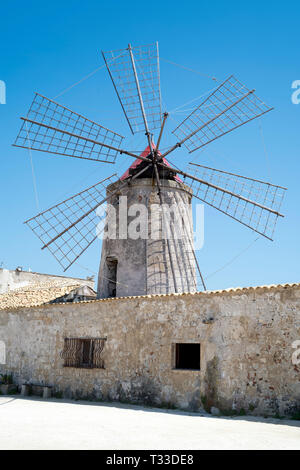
x,y
50,46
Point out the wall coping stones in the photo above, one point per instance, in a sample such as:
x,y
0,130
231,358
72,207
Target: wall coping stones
x,y
232,290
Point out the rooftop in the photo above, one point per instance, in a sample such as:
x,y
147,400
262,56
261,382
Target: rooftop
x,y
38,293
19,269
42,293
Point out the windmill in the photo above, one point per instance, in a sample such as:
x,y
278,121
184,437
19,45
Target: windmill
x,y
166,264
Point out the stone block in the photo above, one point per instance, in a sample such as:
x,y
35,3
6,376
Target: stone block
x,y
25,390
46,392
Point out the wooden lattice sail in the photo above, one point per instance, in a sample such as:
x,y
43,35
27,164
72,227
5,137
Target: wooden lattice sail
x,y
69,228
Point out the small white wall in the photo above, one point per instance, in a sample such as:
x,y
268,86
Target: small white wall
x,y
12,279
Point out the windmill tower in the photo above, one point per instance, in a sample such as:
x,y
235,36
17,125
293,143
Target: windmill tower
x,y
159,263
159,257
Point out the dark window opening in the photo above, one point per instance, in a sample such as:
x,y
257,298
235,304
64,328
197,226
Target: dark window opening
x,y
86,352
83,352
187,356
112,267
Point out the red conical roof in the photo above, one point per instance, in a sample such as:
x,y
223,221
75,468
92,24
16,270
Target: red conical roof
x,y
137,162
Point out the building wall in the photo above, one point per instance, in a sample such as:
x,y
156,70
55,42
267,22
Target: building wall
x,y
246,341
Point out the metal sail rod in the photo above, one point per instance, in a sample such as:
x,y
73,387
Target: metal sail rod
x,y
157,180
78,137
199,271
116,91
206,99
219,188
74,112
97,205
235,174
158,72
206,124
140,99
194,254
78,194
227,132
161,131
196,261
78,256
235,218
163,220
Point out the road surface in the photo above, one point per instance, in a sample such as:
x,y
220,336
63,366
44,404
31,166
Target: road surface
x,y
34,423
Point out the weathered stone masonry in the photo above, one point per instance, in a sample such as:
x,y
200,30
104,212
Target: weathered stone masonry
x,y
246,338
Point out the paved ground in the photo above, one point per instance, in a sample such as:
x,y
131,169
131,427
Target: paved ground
x,y
33,423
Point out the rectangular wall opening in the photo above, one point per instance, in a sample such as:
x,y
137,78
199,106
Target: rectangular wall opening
x,y
112,267
187,356
83,352
86,353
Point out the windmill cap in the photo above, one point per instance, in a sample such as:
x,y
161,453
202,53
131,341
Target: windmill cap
x,y
137,162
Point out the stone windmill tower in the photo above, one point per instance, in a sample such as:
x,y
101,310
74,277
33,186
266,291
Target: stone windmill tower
x,y
158,257
151,259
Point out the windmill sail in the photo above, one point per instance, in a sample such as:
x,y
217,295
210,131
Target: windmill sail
x,y
53,128
136,78
251,202
69,228
228,107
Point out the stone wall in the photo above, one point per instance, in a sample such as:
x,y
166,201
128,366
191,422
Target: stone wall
x,y
246,338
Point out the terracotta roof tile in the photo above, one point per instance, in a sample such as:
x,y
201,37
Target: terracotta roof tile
x,y
42,296
37,293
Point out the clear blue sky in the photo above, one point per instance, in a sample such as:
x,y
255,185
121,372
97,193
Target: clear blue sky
x,y
48,46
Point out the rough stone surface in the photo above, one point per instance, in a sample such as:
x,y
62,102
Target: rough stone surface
x,y
246,351
46,392
148,264
25,390
26,289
